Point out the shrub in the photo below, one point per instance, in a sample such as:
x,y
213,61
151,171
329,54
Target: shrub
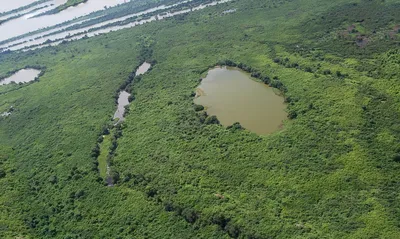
x,y
396,158
292,115
2,173
198,108
212,120
266,80
190,215
232,230
308,69
235,126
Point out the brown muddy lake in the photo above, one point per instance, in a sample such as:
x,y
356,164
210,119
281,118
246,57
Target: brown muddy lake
x,y
233,96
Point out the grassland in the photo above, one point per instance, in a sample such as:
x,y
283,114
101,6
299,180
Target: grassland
x,y
332,172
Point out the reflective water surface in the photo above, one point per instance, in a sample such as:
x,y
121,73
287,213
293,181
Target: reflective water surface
x,y
21,76
123,99
23,25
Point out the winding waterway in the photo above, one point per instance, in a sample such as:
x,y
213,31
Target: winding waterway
x,y
123,100
233,96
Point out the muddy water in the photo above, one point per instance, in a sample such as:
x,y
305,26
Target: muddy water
x,y
22,25
123,99
142,69
233,96
21,76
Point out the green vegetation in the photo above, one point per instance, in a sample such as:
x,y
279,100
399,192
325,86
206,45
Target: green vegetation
x,y
20,9
104,150
97,17
22,14
331,172
62,7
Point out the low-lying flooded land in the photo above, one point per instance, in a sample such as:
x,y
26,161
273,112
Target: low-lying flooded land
x,y
78,22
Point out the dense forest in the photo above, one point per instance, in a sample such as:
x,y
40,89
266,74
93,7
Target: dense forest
x,y
332,171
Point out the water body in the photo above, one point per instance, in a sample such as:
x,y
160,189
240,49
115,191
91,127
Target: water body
x,y
143,69
123,99
233,96
80,33
6,6
22,76
22,25
5,114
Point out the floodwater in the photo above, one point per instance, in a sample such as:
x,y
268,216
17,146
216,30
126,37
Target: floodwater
x,y
59,37
123,99
6,6
22,25
233,96
22,76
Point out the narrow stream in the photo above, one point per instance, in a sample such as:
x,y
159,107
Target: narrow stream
x,y
123,100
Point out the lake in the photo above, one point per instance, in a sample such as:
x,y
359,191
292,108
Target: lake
x,y
233,96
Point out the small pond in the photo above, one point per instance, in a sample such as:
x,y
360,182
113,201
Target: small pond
x,y
143,69
22,76
123,99
233,96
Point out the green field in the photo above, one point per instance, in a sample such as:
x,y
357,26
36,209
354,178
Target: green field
x,y
331,172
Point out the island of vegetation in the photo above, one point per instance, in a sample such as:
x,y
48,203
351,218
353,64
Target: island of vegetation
x,y
62,7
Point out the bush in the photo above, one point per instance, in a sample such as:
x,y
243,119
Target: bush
x,y
308,69
256,74
220,220
190,215
232,230
235,126
292,115
266,80
198,108
2,173
131,98
396,158
212,120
